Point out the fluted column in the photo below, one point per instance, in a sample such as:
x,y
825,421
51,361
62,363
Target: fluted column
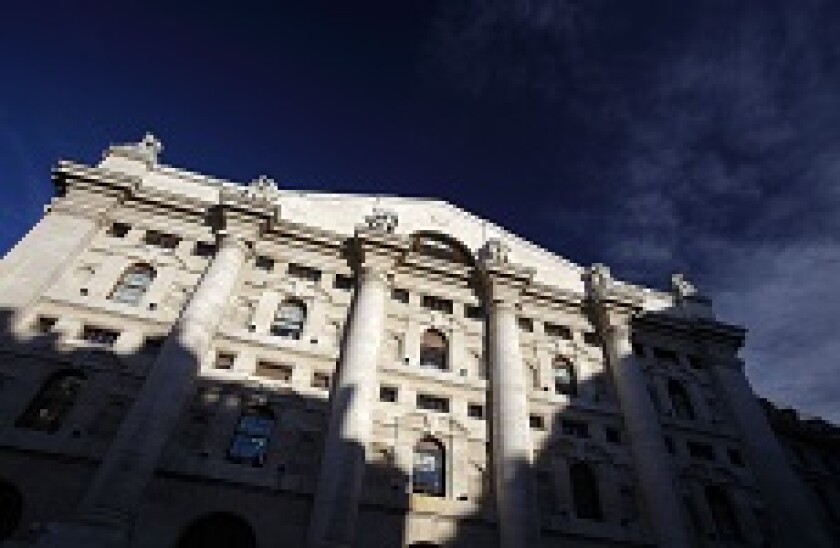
x,y
650,456
343,462
794,519
133,455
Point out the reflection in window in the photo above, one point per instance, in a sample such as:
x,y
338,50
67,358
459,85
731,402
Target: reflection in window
x,y
723,514
250,439
133,284
53,402
289,319
585,491
680,402
564,377
434,350
428,474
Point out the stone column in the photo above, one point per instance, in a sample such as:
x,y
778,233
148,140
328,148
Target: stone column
x,y
518,523
650,456
335,507
795,521
105,514
343,462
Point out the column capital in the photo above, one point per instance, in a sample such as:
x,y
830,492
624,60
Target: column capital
x,y
230,238
377,249
503,279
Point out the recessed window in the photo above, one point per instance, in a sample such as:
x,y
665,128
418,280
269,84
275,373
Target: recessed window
x,y
434,350
695,362
342,282
564,377
475,411
680,401
591,338
474,312
224,360
152,345
387,394
321,380
575,428
536,422
133,284
119,230
161,239
53,402
585,491
304,272
289,320
274,370
249,444
204,249
665,356
613,434
699,450
526,325
557,331
735,457
437,304
428,474
432,403
669,445
264,263
400,295
638,349
723,514
99,335
45,324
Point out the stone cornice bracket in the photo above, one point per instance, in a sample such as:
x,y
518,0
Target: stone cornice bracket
x,y
375,246
614,305
146,151
688,300
88,191
504,281
250,209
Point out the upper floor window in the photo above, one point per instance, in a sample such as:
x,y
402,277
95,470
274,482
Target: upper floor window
x,y
680,401
53,402
723,514
559,331
133,284
564,377
99,335
289,319
434,350
304,272
437,304
11,509
119,230
585,493
428,474
160,239
439,246
249,444
432,403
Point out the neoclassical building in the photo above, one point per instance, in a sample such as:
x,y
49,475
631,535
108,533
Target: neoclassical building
x,y
189,362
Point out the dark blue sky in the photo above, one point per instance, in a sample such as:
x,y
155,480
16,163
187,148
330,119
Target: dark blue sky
x,y
652,136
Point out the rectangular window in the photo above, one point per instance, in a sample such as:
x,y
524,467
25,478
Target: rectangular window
x,y
695,362
735,457
345,283
152,345
99,335
119,230
613,434
204,249
388,394
224,360
701,450
536,422
432,403
274,370
304,272
665,356
474,312
525,324
591,338
475,411
557,331
161,239
669,445
321,380
264,263
437,304
638,349
577,429
400,295
45,324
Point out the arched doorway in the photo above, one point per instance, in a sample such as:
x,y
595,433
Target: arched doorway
x,y
218,530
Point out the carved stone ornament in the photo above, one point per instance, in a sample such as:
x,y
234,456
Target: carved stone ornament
x,y
382,220
495,251
682,287
599,277
262,188
146,150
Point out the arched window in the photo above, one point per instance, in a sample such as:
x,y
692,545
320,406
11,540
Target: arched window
x,y
134,282
564,377
249,444
434,350
53,402
680,402
11,509
218,530
723,514
289,319
429,472
585,491
441,246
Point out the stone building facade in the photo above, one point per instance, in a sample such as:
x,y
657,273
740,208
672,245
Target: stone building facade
x,y
190,362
